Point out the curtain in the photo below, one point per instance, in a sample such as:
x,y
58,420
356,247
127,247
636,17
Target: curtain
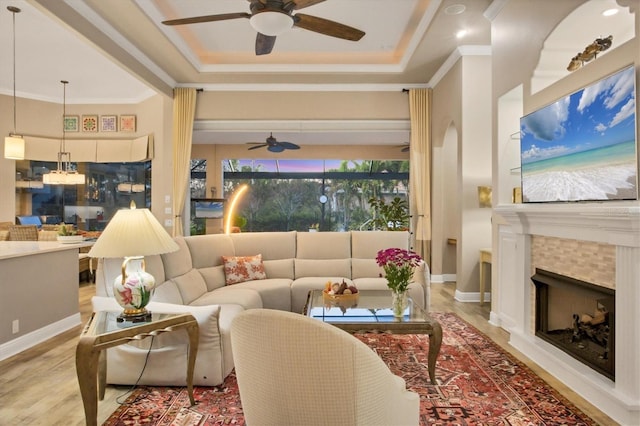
x,y
184,108
420,170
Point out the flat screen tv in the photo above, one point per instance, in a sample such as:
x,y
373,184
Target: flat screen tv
x,y
209,208
583,146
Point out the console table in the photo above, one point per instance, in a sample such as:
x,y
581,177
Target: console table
x,y
103,331
485,257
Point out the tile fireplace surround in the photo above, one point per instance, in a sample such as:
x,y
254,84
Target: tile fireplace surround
x,y
615,228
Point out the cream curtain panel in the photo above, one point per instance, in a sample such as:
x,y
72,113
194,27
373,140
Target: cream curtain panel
x,y
420,170
184,109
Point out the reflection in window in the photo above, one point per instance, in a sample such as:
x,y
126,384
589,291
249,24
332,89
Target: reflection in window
x,y
108,187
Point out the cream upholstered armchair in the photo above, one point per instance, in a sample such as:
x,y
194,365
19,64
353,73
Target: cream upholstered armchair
x,y
294,370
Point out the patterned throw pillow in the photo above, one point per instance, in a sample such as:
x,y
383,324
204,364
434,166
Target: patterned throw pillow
x,y
238,269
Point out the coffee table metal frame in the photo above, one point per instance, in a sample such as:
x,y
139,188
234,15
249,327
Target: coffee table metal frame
x,y
373,314
102,332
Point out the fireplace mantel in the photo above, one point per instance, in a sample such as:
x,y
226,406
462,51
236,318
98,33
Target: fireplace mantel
x,y
617,225
612,223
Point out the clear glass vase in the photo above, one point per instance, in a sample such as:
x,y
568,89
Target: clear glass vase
x,y
398,303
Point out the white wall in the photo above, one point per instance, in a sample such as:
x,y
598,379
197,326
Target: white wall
x,y
462,99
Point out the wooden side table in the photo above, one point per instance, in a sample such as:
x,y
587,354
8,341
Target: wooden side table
x,y
102,332
485,257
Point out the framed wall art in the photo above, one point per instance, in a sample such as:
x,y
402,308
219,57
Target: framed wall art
x,y
70,123
127,123
108,123
89,123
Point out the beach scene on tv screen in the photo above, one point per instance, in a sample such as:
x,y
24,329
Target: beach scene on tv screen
x,y
583,147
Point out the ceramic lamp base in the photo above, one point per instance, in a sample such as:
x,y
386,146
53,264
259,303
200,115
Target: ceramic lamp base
x,y
136,317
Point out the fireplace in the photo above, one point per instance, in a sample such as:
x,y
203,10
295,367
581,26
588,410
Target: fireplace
x,y
595,242
577,317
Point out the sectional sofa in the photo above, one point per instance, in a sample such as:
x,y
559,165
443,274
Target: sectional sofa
x,y
202,278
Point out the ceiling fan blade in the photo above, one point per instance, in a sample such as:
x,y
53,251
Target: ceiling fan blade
x,y
262,145
300,4
288,145
207,18
327,27
275,148
264,44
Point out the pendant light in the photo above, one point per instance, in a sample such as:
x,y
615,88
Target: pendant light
x,y
14,143
64,174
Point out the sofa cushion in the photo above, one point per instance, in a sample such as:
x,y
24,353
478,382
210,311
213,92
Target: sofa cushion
x,y
245,297
238,269
274,292
366,244
365,268
191,286
272,245
178,262
207,250
323,245
322,268
282,268
213,276
167,360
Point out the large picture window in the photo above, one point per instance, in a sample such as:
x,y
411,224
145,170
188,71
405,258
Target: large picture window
x,y
323,195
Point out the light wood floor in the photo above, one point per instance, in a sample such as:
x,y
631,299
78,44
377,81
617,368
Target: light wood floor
x,y
39,386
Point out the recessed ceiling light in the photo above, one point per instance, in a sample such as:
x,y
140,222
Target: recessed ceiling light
x,y
461,33
455,9
610,12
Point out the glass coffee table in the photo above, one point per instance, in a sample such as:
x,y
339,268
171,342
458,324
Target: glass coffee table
x,y
371,312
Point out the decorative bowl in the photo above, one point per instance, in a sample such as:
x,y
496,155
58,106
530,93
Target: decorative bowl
x,y
342,301
70,239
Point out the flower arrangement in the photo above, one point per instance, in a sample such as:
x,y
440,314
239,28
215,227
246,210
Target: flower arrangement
x,y
398,265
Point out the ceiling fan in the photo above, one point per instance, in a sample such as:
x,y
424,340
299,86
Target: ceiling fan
x,y
273,145
271,18
405,147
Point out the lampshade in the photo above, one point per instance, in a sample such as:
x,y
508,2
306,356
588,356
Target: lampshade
x,y
62,177
14,147
133,232
271,23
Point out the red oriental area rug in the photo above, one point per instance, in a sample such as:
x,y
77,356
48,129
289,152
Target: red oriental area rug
x,y
478,384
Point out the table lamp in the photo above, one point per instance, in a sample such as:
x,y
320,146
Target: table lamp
x,y
132,234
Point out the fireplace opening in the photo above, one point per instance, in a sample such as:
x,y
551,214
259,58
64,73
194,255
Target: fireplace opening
x,y
577,317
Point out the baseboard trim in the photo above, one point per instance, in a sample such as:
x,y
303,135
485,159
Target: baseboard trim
x,y
471,297
31,339
444,278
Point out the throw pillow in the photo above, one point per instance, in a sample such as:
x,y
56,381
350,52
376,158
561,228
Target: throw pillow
x,y
238,269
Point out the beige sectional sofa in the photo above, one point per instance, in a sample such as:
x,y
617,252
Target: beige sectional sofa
x,y
193,279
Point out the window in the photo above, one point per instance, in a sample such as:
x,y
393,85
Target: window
x,y
108,187
325,195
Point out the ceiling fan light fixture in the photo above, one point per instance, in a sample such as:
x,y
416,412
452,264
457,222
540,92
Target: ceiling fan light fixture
x,y
271,23
14,147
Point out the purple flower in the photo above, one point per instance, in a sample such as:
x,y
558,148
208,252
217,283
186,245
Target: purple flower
x,y
398,265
